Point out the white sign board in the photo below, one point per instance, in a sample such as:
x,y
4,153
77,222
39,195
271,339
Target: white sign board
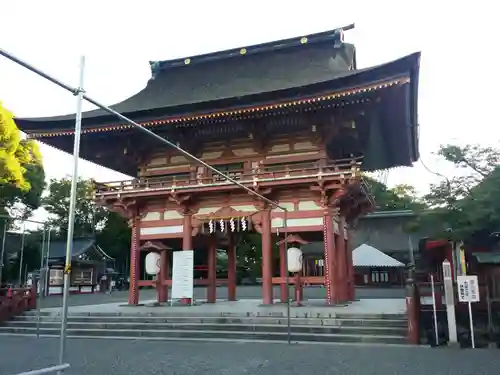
x,y
468,288
182,274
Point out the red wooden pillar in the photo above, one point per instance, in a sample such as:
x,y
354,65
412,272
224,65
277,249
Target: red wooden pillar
x,y
212,270
187,233
133,292
342,274
231,270
283,272
267,259
350,268
187,244
162,277
328,239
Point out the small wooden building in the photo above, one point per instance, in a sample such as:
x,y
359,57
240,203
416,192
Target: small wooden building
x,y
89,264
374,268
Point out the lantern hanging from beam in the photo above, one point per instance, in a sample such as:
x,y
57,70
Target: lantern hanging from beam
x,y
294,256
152,263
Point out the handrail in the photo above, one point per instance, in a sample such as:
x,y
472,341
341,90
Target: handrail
x,y
257,175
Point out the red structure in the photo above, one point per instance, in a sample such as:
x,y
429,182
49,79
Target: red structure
x,y
14,301
295,120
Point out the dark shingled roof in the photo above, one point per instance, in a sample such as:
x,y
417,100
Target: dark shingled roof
x,y
287,70
269,67
80,246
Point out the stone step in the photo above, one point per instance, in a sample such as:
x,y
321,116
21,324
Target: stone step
x,y
401,323
209,334
178,313
141,326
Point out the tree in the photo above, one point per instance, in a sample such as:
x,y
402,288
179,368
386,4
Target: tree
x,y
114,237
467,202
22,177
88,216
109,229
400,197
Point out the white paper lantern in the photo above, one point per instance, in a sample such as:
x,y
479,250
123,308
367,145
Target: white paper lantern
x,y
294,259
152,263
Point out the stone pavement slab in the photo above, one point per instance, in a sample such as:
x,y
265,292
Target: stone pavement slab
x,y
246,307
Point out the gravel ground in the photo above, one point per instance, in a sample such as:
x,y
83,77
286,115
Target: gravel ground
x,y
120,357
249,292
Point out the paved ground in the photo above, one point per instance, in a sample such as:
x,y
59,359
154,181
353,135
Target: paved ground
x,y
110,357
245,307
244,292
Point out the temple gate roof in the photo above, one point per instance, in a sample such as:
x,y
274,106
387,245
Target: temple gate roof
x,y
189,98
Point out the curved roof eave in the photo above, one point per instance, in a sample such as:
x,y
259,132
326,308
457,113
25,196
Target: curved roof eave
x,y
407,65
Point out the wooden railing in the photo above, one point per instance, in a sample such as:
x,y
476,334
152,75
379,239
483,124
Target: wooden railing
x,y
15,301
342,169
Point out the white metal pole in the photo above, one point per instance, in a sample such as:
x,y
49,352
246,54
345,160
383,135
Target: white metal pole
x,y
434,310
46,268
2,250
71,219
471,326
47,370
21,257
287,281
40,289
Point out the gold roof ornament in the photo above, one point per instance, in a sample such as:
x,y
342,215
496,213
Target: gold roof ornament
x,y
243,51
187,61
303,40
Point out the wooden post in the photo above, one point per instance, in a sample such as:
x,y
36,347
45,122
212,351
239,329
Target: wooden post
x,y
187,244
267,261
298,289
330,261
350,267
162,277
212,270
231,270
413,311
342,274
133,292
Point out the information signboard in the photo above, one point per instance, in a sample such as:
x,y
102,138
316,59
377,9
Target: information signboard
x,y
468,288
182,274
468,291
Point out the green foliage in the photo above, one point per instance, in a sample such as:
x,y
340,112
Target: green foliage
x,y
468,202
31,256
109,229
88,216
114,237
401,197
22,177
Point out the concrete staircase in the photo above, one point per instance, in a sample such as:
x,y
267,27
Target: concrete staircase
x,y
367,329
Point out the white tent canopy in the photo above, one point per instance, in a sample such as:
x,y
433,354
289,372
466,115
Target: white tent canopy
x,y
368,256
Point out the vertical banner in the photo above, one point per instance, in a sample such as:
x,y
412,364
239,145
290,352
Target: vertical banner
x,y
463,264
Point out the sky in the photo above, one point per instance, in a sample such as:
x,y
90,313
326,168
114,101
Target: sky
x,y
458,72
